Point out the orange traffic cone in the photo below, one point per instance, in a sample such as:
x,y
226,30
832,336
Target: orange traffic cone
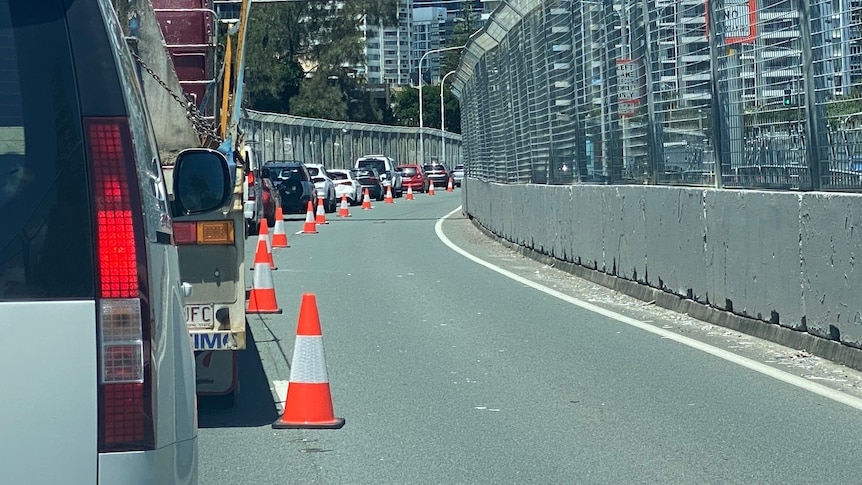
x,y
431,188
366,201
449,185
321,211
343,211
308,403
279,237
409,193
263,233
262,296
388,199
310,227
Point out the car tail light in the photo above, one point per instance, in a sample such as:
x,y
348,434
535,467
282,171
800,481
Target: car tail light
x,y
204,232
123,327
250,182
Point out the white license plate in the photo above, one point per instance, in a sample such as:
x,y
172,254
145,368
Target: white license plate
x,y
199,316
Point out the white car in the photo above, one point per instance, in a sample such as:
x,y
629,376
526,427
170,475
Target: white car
x,y
346,184
385,166
324,185
99,373
252,193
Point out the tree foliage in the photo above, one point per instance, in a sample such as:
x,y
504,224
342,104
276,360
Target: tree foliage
x,y
466,23
297,52
405,108
273,73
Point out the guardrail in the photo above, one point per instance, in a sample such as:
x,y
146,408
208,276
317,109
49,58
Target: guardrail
x,y
337,144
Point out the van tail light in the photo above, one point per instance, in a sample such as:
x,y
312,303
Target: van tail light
x,y
124,326
203,232
250,182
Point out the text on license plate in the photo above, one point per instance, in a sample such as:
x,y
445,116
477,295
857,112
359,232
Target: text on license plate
x,y
199,316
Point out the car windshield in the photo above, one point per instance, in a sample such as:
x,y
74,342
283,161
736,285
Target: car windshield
x,y
313,171
338,175
408,171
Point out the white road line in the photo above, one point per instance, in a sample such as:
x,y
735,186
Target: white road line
x,y
764,369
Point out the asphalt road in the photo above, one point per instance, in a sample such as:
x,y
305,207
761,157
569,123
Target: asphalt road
x,y
450,372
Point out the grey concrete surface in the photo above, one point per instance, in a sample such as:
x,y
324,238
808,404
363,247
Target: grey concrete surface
x,y
777,265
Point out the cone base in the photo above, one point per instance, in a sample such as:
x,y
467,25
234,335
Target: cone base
x,y
337,423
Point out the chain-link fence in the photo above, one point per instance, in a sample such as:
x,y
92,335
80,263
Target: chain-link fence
x,y
622,91
337,144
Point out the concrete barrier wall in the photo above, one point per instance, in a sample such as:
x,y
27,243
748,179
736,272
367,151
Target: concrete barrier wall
x,y
786,259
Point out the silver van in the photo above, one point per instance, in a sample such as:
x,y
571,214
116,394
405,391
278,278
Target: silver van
x,y
390,176
97,370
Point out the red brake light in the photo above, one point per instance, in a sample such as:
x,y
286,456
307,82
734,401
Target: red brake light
x,y
203,232
185,232
250,181
125,392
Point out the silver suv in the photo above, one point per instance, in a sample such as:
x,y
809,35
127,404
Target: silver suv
x,y
99,373
385,166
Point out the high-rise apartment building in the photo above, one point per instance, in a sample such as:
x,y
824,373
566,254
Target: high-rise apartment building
x,y
388,49
393,52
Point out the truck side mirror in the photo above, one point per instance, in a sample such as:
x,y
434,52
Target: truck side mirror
x,y
202,181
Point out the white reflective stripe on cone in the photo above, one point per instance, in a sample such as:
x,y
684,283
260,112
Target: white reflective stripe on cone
x,y
308,365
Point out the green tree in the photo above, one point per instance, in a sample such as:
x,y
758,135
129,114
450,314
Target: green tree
x,y
320,96
405,108
466,23
272,73
294,44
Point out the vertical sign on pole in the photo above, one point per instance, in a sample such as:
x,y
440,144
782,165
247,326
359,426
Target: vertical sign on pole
x,y
740,21
629,93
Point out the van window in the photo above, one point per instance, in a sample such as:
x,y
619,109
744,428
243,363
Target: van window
x,y
379,165
46,242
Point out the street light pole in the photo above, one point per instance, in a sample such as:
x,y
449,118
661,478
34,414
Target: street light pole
x,y
443,118
421,122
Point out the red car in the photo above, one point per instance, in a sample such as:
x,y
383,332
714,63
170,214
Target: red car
x,y
413,176
270,199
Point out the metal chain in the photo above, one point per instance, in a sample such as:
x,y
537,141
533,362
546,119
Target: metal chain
x,y
203,126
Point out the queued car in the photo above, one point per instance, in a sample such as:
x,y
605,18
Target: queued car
x,y
346,184
437,173
385,167
104,392
458,175
270,200
294,184
370,179
252,198
413,176
324,185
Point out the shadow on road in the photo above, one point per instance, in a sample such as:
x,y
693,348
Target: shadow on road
x,y
252,406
